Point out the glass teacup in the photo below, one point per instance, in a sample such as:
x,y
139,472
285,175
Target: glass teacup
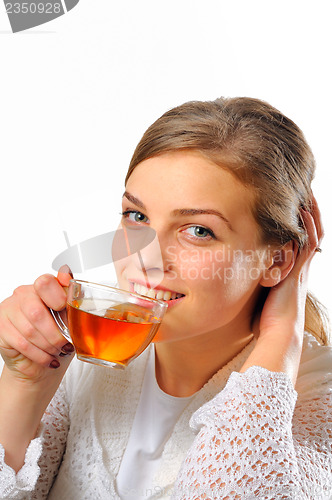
x,y
108,326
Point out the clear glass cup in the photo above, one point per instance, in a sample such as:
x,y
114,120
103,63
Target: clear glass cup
x,y
108,326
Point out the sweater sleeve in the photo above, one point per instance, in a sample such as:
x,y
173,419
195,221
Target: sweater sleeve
x,y
42,458
245,447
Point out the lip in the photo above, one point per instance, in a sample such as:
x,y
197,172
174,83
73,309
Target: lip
x,y
170,303
150,285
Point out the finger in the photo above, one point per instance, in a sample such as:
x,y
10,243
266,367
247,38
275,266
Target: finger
x,y
38,329
64,275
37,323
295,250
13,344
315,212
51,292
311,229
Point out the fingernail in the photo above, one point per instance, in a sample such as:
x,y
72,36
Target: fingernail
x,y
65,269
68,348
54,364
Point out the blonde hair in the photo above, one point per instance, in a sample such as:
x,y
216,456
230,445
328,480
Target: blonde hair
x,y
264,149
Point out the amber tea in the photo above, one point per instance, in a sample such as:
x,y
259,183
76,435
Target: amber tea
x,y
109,326
116,335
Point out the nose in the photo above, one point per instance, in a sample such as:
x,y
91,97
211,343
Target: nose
x,y
128,241
143,251
150,262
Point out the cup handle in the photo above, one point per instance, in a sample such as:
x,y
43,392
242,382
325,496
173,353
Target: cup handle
x,y
60,324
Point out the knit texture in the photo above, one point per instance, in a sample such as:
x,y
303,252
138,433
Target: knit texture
x,y
251,435
249,448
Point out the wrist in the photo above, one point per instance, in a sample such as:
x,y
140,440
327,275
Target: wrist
x,y
277,353
23,403
23,386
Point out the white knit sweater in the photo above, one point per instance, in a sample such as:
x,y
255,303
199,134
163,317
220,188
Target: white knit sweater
x,y
251,435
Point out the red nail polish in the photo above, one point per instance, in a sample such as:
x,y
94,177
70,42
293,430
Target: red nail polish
x,y
68,348
65,269
54,364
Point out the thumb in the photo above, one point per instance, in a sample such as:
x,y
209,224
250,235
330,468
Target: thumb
x,y
64,275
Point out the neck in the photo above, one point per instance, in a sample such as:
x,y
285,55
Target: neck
x,y
183,367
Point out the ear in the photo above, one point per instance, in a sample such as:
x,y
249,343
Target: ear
x,y
280,265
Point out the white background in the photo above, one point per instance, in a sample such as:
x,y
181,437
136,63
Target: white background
x,y
77,94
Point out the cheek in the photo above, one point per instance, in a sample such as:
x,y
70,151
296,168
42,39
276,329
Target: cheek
x,y
214,269
235,273
242,275
120,267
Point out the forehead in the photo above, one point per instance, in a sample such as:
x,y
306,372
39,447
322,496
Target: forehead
x,y
187,179
189,173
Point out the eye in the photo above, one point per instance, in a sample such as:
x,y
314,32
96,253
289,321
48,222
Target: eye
x,y
134,216
200,232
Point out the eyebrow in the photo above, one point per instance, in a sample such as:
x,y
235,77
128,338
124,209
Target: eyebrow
x,y
134,200
182,211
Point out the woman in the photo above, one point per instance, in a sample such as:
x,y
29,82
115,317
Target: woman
x,y
226,187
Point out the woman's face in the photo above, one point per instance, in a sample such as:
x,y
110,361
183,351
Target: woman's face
x,y
206,261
